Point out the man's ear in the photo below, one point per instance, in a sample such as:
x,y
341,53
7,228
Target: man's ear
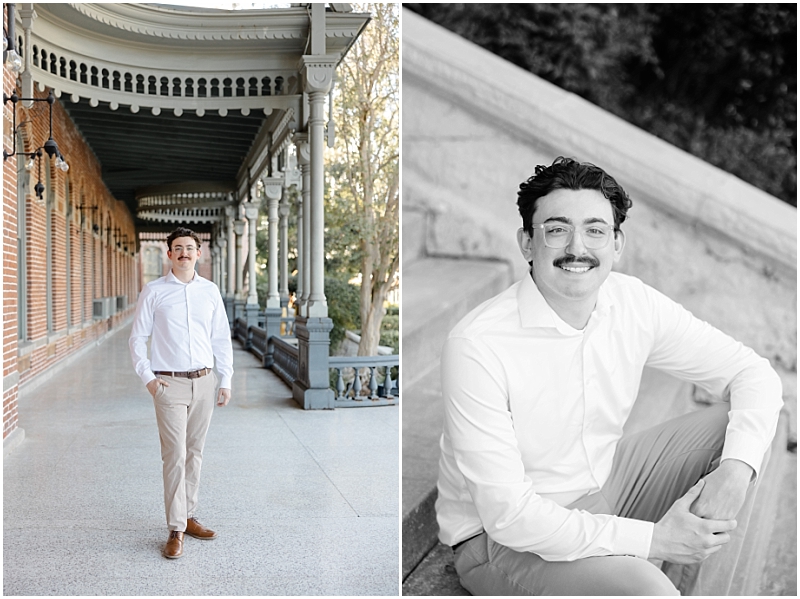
x,y
525,242
619,244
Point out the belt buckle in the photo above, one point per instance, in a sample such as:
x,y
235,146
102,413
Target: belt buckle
x,y
194,374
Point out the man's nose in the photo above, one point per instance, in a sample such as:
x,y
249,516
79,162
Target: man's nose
x,y
576,246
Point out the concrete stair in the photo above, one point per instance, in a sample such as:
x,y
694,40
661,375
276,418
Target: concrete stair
x,y
438,292
768,559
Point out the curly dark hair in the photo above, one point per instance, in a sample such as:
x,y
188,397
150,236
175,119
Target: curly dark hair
x,y
567,173
182,232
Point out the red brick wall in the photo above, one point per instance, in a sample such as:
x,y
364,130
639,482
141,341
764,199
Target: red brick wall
x,y
9,268
106,271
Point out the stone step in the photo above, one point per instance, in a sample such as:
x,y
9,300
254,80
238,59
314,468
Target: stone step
x,y
767,564
438,292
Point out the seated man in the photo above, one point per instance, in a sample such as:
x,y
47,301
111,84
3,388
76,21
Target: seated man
x,y
539,494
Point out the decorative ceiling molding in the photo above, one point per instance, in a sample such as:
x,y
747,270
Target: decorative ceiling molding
x,y
195,24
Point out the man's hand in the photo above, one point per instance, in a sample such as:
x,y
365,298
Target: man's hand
x,y
153,385
223,397
680,537
724,492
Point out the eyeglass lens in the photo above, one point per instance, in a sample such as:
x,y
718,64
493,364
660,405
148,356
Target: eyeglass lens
x,y
559,236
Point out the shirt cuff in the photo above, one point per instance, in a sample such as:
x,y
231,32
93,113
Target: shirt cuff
x,y
744,447
148,376
633,537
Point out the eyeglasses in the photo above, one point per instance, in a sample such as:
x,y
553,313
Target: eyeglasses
x,y
180,249
559,235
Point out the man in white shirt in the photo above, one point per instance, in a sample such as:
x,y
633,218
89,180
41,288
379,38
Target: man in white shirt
x,y
186,317
538,491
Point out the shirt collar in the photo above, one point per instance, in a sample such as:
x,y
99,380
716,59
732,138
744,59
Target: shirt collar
x,y
534,311
171,278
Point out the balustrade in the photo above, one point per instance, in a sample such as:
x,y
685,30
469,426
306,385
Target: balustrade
x,y
365,380
357,381
142,83
286,358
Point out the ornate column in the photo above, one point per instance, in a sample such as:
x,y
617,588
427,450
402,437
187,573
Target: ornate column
x,y
251,309
220,241
283,223
27,15
303,223
239,302
312,386
230,278
273,187
214,263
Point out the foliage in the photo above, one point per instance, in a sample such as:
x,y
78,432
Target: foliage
x,y
717,80
362,191
342,308
390,329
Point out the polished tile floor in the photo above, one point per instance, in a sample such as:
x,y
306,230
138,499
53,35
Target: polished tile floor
x,y
305,503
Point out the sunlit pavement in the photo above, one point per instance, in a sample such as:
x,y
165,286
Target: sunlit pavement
x,y
304,502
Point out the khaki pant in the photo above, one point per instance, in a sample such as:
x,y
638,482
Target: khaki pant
x,y
651,470
183,412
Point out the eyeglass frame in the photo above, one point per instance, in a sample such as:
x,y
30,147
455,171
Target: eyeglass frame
x,y
572,228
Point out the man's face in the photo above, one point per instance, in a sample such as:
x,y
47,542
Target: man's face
x,y
575,272
183,254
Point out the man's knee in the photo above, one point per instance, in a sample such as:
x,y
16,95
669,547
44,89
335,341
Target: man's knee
x,y
640,577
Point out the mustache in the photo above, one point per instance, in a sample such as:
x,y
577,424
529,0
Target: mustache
x,y
587,260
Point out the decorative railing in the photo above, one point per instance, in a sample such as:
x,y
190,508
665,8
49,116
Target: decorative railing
x,y
366,380
241,333
285,359
287,326
258,342
356,381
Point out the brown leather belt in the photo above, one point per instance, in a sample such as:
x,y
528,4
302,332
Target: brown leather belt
x,y
192,374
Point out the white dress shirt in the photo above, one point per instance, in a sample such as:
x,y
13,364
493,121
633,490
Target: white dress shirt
x,y
534,410
189,329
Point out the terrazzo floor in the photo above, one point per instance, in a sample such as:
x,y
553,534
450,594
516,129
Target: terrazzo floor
x,y
305,503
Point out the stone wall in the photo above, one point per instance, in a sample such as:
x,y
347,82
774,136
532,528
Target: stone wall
x,y
475,126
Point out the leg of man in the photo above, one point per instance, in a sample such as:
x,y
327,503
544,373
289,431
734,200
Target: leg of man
x,y
200,410
651,470
171,404
488,568
654,468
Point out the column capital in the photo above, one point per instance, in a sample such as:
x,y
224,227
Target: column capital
x,y
251,211
230,212
284,207
273,187
238,226
317,72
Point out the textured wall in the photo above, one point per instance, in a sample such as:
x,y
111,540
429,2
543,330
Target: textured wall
x,y
722,248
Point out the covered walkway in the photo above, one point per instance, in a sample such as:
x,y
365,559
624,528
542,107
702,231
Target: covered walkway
x,y
305,503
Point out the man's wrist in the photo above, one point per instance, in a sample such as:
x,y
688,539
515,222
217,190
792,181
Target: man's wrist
x,y
737,470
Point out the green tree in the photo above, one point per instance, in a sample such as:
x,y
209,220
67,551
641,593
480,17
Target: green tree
x,y
717,80
363,184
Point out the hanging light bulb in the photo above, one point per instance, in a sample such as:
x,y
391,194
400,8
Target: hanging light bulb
x,y
31,162
13,60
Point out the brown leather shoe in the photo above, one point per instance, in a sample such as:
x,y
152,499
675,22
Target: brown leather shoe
x,y
198,531
174,547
